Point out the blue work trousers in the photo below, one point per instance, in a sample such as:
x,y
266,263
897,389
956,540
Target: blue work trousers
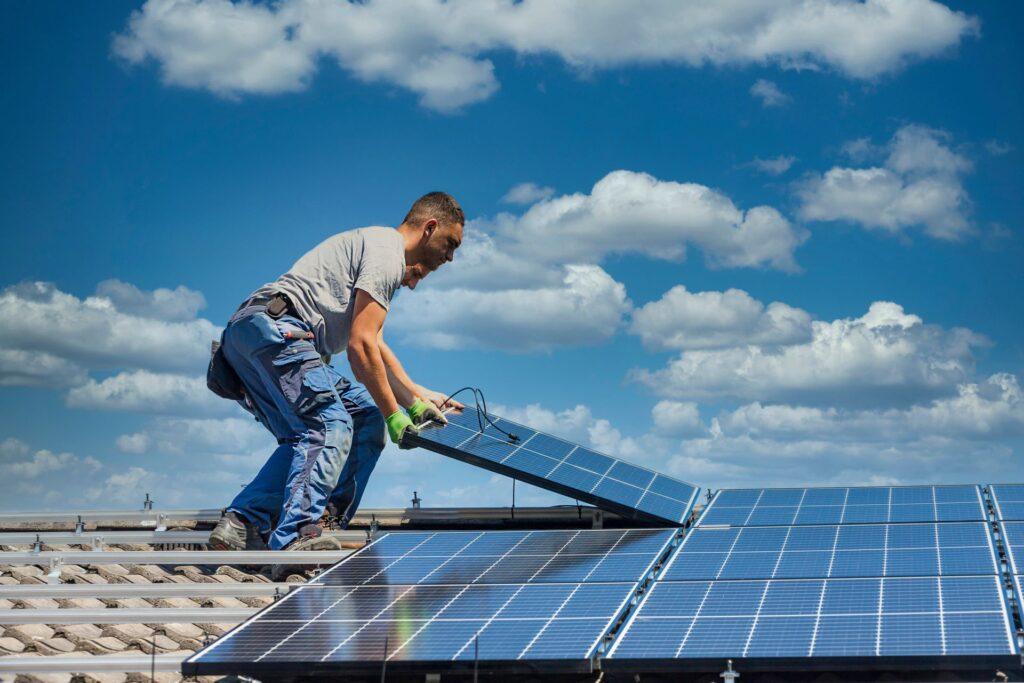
x,y
329,432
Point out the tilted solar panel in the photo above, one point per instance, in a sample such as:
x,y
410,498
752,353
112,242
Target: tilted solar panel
x,y
823,618
1013,541
853,505
860,550
828,596
1008,500
560,466
437,601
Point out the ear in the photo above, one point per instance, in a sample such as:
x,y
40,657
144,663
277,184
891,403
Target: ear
x,y
430,227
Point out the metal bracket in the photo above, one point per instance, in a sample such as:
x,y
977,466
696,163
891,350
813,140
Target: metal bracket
x,y
597,519
97,543
161,521
79,525
416,500
147,504
37,546
56,563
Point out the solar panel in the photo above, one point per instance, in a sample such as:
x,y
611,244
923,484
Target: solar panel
x,y
560,466
419,600
1013,540
860,550
868,617
853,505
1007,500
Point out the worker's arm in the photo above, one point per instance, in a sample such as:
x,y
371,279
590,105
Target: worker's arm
x,y
407,391
364,355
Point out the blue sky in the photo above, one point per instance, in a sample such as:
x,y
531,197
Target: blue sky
x,y
815,168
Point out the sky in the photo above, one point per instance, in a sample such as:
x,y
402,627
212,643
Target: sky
x,y
750,243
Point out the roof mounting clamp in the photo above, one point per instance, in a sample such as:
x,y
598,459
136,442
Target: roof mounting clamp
x,y
79,525
147,504
597,519
53,576
161,520
97,543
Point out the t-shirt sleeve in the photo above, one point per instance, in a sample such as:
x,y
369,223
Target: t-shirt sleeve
x,y
381,270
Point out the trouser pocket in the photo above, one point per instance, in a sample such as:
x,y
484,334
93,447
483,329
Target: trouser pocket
x,y
304,381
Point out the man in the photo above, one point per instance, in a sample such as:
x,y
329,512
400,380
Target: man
x,y
330,432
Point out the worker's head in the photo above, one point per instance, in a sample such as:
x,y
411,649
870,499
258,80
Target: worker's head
x,y
433,231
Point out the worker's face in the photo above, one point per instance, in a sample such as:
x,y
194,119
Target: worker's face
x,y
437,247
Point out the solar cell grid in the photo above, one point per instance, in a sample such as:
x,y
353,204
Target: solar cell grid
x,y
912,549
817,618
855,505
396,599
1013,541
1008,500
560,466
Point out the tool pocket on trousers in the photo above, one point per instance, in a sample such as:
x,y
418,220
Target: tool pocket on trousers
x,y
304,381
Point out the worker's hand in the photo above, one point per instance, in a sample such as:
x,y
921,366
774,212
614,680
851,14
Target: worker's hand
x,y
399,425
421,412
440,400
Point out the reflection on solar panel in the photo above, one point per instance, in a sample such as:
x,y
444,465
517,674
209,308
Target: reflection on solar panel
x,y
861,550
921,616
757,507
827,596
1008,500
560,466
442,600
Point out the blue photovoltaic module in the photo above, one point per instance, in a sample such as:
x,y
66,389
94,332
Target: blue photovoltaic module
x,y
859,550
828,596
560,466
441,600
855,505
1007,500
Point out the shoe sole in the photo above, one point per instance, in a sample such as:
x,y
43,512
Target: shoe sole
x,y
218,544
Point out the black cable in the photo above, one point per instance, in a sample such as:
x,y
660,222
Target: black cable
x,y
481,411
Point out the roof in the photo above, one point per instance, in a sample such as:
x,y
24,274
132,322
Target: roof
x,y
105,596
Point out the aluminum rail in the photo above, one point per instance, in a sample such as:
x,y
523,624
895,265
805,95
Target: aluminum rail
x,y
101,664
128,615
256,557
150,537
152,590
363,517
107,537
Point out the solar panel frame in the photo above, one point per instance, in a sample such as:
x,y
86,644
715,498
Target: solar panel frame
x,y
844,505
392,615
586,475
1007,501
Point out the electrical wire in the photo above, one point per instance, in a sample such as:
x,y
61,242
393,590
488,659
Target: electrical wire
x,y
481,411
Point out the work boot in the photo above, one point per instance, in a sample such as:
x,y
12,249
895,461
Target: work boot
x,y
311,537
233,532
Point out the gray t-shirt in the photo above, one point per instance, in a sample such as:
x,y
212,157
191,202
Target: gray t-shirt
x,y
321,285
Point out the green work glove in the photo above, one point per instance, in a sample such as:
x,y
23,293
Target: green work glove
x,y
399,425
423,411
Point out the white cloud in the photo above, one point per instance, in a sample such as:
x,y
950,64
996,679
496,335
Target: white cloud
x,y
527,193
136,443
773,166
142,391
94,333
919,184
629,212
19,463
885,356
769,94
586,309
998,148
705,320
436,49
130,486
179,304
37,369
678,418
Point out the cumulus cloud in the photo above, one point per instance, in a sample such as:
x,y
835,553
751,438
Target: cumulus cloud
x,y
885,356
437,50
587,308
920,183
71,334
773,166
769,93
627,212
37,369
998,148
142,391
19,462
177,305
678,418
527,193
705,320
